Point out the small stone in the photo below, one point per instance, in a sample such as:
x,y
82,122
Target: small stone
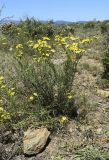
x,y
34,140
103,93
99,131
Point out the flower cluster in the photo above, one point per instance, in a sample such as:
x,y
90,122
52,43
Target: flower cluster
x,y
86,41
63,120
71,45
4,115
19,46
30,43
19,50
5,91
42,48
32,97
74,47
73,38
11,92
2,85
61,40
3,40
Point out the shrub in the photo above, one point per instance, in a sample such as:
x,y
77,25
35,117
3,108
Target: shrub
x,y
91,153
4,116
89,25
105,27
6,95
105,58
105,61
48,84
44,83
58,157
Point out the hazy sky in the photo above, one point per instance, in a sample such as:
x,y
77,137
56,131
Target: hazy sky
x,y
70,10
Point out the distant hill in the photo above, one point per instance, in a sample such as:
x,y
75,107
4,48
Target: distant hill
x,y
58,22
62,22
9,21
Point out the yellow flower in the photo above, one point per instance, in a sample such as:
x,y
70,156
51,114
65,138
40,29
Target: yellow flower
x,y
52,50
31,45
4,38
1,109
79,51
69,96
12,89
11,92
96,37
4,43
47,55
35,94
4,115
60,40
1,78
73,47
31,98
30,41
3,86
19,54
1,101
19,46
85,41
63,120
74,38
46,38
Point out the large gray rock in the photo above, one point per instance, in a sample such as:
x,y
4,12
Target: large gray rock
x,y
35,140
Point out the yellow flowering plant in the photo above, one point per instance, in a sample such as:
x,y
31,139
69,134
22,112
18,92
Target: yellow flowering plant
x,y
43,48
52,82
63,120
7,95
4,116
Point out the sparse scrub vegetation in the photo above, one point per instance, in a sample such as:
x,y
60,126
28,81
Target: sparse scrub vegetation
x,y
91,153
45,84
49,78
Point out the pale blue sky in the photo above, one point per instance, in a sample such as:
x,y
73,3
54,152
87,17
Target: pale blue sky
x,y
70,10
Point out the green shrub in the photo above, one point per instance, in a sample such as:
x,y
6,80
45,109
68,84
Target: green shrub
x,y
48,84
58,157
105,27
89,25
44,83
103,83
105,61
91,153
4,116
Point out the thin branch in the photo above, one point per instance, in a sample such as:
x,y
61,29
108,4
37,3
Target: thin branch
x,y
2,9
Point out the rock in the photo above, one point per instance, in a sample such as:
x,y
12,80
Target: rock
x,y
35,140
103,93
2,152
20,157
7,137
99,131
